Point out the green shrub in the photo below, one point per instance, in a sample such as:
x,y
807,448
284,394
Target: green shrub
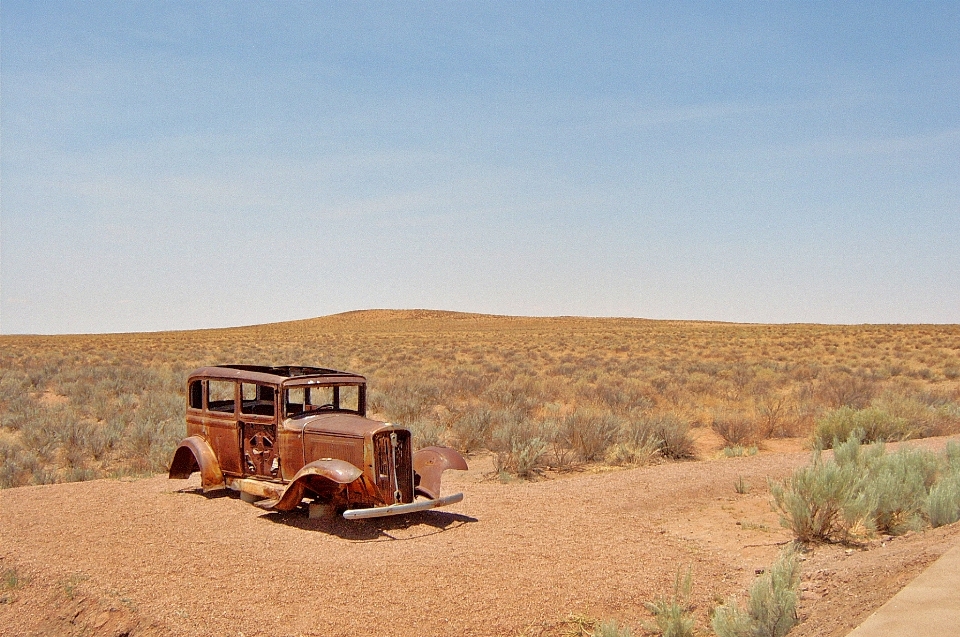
x,y
821,501
928,415
610,628
519,445
943,503
866,487
873,424
673,616
896,488
772,607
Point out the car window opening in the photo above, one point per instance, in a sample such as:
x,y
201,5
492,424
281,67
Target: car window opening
x,y
301,400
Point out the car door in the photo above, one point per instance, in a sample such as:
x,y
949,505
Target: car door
x,y
258,423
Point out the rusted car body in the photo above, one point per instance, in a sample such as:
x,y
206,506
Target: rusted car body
x,y
282,435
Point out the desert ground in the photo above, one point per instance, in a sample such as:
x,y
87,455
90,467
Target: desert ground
x,y
152,556
95,540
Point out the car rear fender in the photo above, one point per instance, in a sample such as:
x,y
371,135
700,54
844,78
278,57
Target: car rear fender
x,y
428,465
195,454
321,478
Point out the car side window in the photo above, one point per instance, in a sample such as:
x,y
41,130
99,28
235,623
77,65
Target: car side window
x,y
221,395
257,399
196,394
349,398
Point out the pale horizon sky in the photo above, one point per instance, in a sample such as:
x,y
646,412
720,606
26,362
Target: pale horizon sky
x,y
180,165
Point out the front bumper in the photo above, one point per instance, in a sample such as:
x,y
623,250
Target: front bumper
x,y
400,509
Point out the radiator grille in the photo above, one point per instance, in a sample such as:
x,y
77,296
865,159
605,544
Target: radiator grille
x,y
383,454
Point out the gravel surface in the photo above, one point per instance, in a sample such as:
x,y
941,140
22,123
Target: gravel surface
x,y
156,557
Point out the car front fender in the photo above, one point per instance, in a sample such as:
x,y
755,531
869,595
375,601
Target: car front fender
x,y
428,465
195,454
321,477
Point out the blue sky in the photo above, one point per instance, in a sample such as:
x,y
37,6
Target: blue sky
x,y
172,165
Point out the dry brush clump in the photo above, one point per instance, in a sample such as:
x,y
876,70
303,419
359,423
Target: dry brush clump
x,y
622,391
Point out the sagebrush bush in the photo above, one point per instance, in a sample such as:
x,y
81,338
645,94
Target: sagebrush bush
x,y
589,432
819,502
673,616
519,444
873,424
866,488
426,433
771,609
943,503
610,628
627,453
896,487
668,432
471,430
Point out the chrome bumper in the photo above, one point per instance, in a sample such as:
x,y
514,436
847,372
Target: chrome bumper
x,y
400,509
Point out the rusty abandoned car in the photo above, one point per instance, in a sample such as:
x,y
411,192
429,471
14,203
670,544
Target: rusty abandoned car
x,y
282,435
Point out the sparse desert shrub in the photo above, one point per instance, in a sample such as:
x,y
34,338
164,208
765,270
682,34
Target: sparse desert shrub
x,y
627,453
519,445
426,433
736,428
19,411
772,607
927,415
867,488
670,433
673,616
590,431
896,488
738,451
15,465
610,628
873,423
42,433
741,486
943,503
845,390
773,416
471,429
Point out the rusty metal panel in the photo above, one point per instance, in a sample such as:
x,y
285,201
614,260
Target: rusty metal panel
x,y
429,463
290,445
348,448
260,457
194,454
222,434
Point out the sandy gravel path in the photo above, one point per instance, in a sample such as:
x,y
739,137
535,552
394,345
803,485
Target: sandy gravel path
x,y
156,557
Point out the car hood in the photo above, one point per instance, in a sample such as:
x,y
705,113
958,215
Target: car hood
x,y
338,424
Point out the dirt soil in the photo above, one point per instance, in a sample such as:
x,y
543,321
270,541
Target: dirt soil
x,y
157,557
